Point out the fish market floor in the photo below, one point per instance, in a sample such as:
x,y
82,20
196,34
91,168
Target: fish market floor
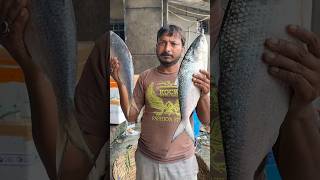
x,y
120,144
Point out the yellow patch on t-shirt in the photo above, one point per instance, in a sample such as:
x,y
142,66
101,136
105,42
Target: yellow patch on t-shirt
x,y
166,111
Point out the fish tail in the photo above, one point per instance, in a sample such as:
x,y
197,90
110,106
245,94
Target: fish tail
x,y
189,131
76,137
184,126
69,131
60,148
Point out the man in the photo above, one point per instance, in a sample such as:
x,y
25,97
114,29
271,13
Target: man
x,y
156,156
298,145
90,102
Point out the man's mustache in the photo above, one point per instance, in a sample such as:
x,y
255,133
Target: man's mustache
x,y
166,54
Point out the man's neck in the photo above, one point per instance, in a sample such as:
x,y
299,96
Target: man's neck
x,y
168,69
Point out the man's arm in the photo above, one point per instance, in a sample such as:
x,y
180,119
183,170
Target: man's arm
x,y
202,81
203,109
129,111
41,96
298,146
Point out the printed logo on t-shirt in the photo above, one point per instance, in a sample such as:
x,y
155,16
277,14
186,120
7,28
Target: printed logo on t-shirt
x,y
166,111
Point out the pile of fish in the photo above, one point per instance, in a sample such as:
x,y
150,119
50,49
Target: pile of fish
x,y
252,103
196,58
51,40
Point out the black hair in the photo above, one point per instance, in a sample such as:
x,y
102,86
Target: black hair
x,y
170,30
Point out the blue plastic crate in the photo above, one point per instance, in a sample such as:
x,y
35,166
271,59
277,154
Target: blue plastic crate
x,y
197,124
271,169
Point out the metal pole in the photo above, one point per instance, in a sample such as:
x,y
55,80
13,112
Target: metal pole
x,y
165,12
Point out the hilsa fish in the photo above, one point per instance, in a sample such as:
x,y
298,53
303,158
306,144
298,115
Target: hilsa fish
x,y
50,37
119,49
252,103
196,58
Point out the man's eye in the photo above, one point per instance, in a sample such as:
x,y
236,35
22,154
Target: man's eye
x,y
161,43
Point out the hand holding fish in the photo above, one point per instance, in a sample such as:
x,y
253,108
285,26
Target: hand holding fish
x,y
299,66
13,19
295,64
202,81
115,69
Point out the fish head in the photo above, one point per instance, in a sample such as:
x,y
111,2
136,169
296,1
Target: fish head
x,y
198,50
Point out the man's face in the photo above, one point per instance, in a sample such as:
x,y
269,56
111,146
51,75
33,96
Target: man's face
x,y
169,49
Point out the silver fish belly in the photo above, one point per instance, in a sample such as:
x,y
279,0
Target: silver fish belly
x,y
119,49
196,58
51,40
252,104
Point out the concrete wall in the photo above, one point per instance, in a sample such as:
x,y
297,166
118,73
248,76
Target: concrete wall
x,y
116,10
143,18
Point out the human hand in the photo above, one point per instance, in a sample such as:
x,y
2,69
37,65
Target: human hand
x,y
295,64
115,69
13,19
202,81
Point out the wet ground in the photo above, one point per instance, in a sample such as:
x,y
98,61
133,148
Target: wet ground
x,y
120,144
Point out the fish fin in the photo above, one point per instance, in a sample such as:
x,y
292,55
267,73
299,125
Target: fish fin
x,y
179,130
76,137
176,82
184,126
69,132
60,148
189,131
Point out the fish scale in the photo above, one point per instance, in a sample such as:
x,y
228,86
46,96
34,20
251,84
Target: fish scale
x,y
50,37
196,58
252,104
119,49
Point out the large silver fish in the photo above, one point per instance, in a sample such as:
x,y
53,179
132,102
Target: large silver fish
x,y
196,58
252,103
51,40
119,49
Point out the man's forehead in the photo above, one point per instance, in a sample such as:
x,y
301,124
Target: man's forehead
x,y
173,36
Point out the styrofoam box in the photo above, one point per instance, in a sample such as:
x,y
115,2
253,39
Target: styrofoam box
x,y
116,114
19,159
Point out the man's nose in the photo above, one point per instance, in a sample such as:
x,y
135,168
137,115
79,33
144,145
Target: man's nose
x,y
168,47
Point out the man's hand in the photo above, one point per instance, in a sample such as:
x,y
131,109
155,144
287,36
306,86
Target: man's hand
x,y
115,69
202,81
296,65
299,66
16,15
